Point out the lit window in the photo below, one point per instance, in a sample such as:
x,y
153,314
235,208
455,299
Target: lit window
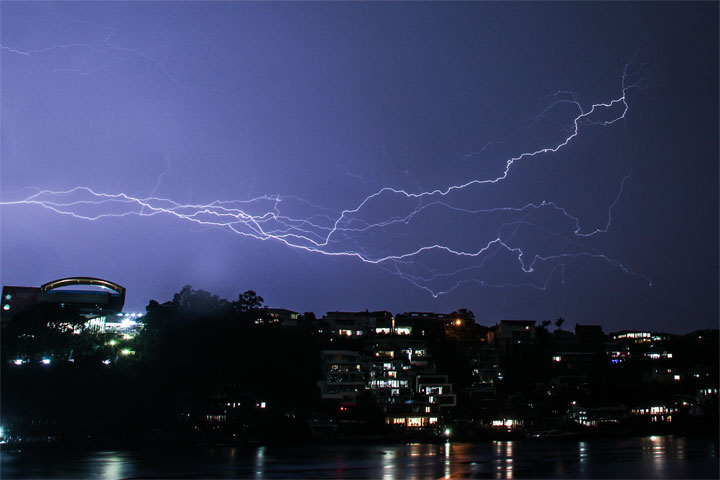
x,y
414,421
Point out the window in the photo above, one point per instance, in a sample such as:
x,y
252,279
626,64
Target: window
x,y
414,421
433,390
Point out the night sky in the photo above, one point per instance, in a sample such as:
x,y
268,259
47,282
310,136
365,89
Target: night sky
x,y
232,146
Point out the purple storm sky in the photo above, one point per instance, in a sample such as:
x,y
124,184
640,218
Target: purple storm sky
x,y
232,146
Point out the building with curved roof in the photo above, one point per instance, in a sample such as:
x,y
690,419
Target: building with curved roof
x,y
98,298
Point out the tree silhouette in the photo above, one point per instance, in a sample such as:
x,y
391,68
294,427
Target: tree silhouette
x,y
249,301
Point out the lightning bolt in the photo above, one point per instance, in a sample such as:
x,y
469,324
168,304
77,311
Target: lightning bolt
x,y
345,233
108,54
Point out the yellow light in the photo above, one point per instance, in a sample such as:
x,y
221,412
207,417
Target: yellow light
x,y
458,322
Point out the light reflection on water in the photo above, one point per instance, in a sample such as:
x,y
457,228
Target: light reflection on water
x,y
642,457
503,459
388,461
259,461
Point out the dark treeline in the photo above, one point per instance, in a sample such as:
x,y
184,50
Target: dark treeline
x,y
190,354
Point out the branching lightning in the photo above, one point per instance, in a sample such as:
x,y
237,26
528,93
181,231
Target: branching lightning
x,y
437,267
106,55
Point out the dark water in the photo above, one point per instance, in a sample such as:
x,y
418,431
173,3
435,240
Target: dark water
x,y
643,457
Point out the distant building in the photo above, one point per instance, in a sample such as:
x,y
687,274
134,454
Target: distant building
x,y
654,412
590,336
286,318
107,299
424,323
433,393
343,376
394,362
637,336
598,415
512,332
389,325
355,324
437,389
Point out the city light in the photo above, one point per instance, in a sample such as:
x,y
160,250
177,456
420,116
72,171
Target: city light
x,y
46,361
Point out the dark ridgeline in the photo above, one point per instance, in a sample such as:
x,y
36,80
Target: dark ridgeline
x,y
204,370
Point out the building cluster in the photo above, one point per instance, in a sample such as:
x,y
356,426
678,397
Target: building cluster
x,y
393,364
431,372
391,357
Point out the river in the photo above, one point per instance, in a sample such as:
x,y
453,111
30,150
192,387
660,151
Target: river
x,y
639,457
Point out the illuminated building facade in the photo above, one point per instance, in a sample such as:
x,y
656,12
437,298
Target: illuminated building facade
x,y
286,318
343,375
394,363
355,324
